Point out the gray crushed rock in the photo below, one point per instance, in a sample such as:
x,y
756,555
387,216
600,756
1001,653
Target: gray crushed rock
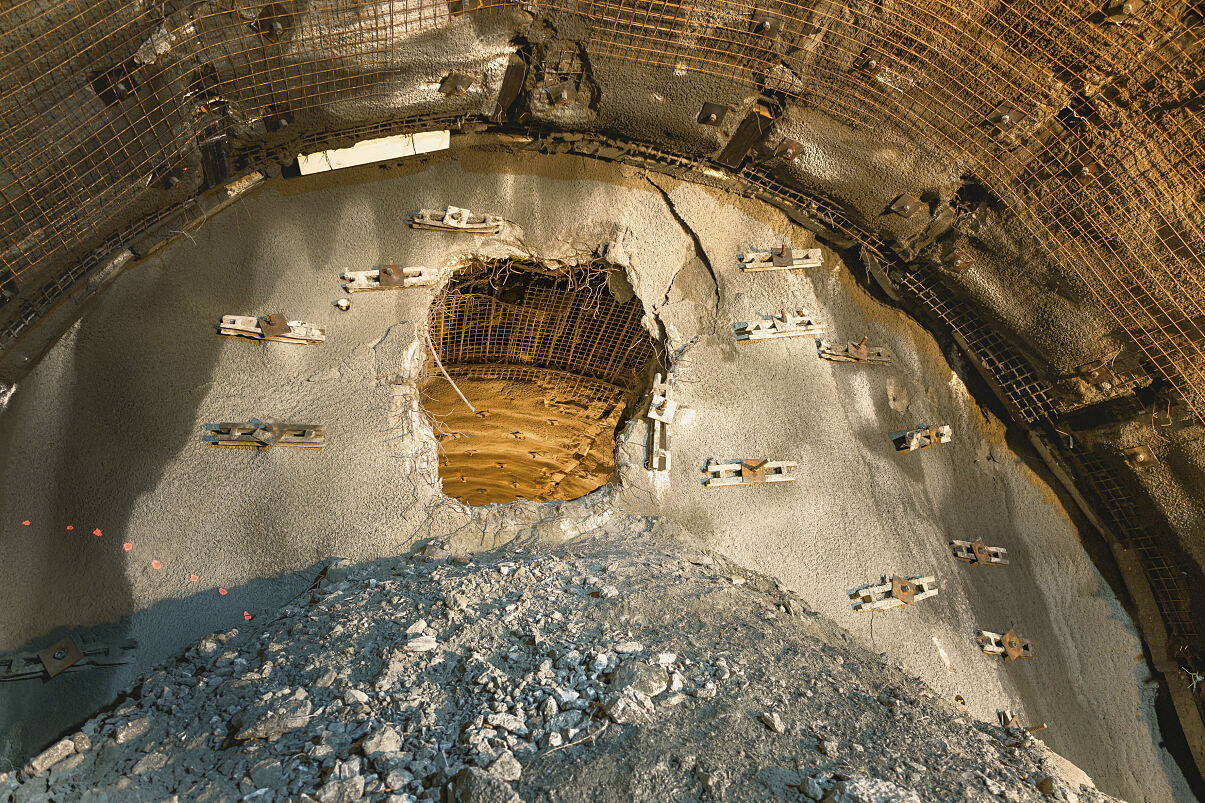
x,y
509,677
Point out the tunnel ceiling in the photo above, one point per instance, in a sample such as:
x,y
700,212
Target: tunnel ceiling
x,y
1084,119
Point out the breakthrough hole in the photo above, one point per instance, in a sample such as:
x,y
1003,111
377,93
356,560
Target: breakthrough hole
x,y
552,360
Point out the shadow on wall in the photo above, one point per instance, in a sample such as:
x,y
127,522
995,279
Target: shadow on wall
x,y
129,398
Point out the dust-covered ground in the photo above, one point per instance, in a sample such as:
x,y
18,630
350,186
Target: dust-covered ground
x,y
625,665
105,433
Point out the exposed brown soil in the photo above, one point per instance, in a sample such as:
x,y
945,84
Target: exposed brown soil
x,y
542,437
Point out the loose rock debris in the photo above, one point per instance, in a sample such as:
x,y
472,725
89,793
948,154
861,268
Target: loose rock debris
x,y
537,689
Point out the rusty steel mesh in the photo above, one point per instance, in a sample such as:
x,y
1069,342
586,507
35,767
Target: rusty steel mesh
x,y
1100,159
502,314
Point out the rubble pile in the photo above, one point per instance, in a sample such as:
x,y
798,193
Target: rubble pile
x,y
624,666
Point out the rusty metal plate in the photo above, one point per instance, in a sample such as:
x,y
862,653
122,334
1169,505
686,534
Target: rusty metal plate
x,y
1095,373
712,114
61,655
857,350
902,589
455,83
274,325
782,257
753,471
981,553
508,95
765,23
787,149
390,276
561,92
1005,116
751,131
1012,646
1140,456
906,205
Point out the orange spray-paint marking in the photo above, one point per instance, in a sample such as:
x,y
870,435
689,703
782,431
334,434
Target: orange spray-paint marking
x,y
192,578
222,591
70,527
246,616
127,546
25,523
97,532
155,564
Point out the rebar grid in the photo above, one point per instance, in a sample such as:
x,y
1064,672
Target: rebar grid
x,y
1119,509
523,313
1102,164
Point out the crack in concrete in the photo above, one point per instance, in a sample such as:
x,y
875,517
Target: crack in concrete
x,y
700,252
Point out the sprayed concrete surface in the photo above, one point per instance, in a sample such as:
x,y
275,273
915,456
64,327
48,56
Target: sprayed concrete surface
x,y
105,433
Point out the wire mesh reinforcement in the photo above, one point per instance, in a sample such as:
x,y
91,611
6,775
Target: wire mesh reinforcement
x,y
1088,124
498,312
1137,532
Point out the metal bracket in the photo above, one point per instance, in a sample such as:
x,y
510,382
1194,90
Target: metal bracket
x,y
894,593
853,352
978,553
1009,644
784,325
263,435
746,472
922,437
661,414
783,258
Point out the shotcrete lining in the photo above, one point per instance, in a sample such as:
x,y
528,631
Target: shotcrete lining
x,y
833,418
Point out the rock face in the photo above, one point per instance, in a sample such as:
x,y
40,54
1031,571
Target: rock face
x,y
533,687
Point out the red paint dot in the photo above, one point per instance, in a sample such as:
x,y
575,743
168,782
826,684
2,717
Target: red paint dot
x,y
155,564
222,591
127,546
246,616
70,527
192,578
97,532
26,522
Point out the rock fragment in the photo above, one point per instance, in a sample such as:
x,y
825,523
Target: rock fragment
x,y
869,790
50,756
